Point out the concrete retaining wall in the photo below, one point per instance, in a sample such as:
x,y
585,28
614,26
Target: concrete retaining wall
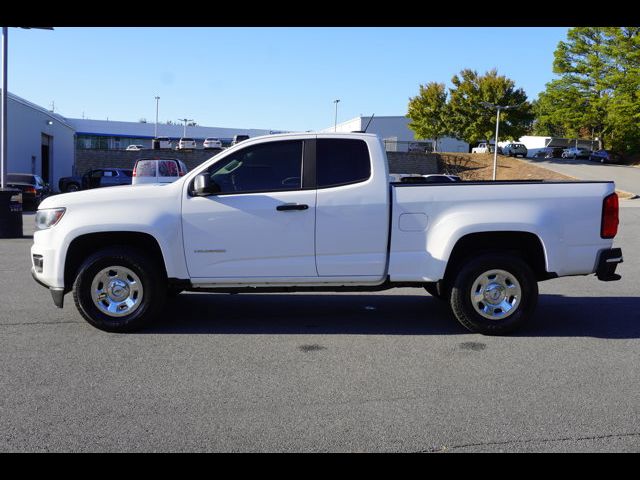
x,y
399,162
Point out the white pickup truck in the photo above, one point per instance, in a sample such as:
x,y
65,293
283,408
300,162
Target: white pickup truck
x,y
317,212
483,148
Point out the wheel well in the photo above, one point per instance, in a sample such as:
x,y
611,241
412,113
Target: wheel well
x,y
524,244
83,246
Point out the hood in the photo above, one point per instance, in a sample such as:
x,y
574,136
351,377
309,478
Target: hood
x,y
103,197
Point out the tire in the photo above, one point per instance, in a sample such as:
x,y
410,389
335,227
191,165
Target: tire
x,y
138,281
72,187
510,274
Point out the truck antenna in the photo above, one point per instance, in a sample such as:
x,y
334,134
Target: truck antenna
x,y
369,122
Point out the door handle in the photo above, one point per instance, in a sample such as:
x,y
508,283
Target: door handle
x,y
292,206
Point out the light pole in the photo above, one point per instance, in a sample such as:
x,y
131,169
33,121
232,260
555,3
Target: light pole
x,y
185,120
495,148
3,133
335,121
156,132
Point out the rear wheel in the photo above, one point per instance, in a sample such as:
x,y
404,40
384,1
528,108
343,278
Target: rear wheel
x,y
119,290
494,294
73,187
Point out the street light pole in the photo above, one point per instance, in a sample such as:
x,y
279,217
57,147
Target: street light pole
x,y
156,131
495,148
335,121
185,120
3,107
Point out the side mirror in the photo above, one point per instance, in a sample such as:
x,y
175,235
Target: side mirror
x,y
203,186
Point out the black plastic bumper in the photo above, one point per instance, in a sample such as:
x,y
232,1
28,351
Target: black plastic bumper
x,y
56,293
607,263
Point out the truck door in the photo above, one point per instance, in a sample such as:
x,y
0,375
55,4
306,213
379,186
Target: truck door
x,y
352,218
261,223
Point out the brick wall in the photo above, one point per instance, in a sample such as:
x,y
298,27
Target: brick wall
x,y
399,162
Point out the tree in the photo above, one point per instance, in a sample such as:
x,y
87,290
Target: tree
x,y
429,113
472,122
597,92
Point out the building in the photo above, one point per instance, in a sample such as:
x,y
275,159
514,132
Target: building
x,y
38,141
115,135
395,132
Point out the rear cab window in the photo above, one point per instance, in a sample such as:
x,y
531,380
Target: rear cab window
x,y
341,162
146,168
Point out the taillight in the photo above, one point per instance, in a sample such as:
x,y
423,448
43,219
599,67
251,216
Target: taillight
x,y
182,173
609,225
30,190
134,172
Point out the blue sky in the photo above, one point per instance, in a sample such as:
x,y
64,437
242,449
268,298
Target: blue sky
x,y
273,78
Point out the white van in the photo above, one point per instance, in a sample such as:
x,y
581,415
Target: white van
x,y
158,170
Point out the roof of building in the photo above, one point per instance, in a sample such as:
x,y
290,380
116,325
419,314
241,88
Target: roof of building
x,y
54,116
147,130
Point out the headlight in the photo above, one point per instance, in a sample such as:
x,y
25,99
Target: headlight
x,y
48,217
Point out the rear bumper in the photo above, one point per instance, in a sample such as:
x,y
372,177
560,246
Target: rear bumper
x,y
608,261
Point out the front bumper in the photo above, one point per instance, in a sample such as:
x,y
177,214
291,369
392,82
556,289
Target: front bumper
x,y
56,293
607,263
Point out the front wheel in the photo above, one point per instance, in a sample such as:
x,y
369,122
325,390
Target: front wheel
x,y
494,294
119,290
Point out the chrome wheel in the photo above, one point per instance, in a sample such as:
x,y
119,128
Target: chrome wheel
x,y
116,291
496,294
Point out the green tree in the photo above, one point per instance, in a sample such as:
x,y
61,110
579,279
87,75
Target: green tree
x,y
428,112
472,122
597,92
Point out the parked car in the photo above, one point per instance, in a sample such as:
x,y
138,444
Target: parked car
x,y
33,187
239,138
553,152
135,148
515,149
576,152
158,170
252,219
96,178
187,144
429,178
605,156
212,143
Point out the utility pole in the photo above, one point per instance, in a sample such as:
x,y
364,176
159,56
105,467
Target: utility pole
x,y
335,122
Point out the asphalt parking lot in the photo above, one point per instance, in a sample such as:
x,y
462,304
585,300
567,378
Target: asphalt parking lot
x,y
383,372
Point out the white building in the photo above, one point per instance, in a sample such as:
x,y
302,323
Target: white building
x,y
396,133
38,141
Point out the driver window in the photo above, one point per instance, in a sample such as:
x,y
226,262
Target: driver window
x,y
273,166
